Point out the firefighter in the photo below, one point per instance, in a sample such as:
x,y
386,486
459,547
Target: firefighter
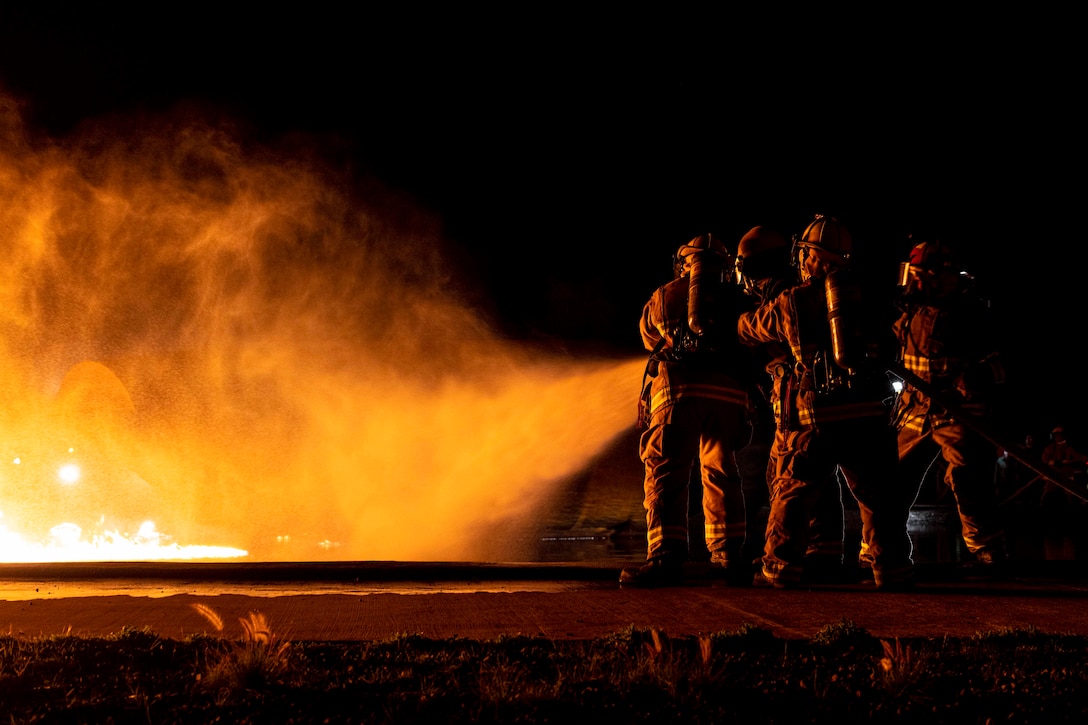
x,y
763,270
948,339
1059,504
834,414
695,405
1061,456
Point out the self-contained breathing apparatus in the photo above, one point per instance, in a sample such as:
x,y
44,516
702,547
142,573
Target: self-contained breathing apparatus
x,y
847,353
853,347
706,261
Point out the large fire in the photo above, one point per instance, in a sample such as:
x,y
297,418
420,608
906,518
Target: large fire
x,y
210,349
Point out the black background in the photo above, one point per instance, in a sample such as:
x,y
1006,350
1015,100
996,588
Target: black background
x,y
569,153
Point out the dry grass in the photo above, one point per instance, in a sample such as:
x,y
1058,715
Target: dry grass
x,y
843,674
258,660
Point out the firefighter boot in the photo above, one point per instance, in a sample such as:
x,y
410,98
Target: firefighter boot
x,y
990,563
663,571
728,565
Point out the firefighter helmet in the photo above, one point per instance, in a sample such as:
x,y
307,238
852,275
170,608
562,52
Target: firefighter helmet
x,y
701,243
928,259
933,255
759,240
762,254
827,234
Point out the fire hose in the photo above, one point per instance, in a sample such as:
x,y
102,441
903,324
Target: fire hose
x,y
1042,470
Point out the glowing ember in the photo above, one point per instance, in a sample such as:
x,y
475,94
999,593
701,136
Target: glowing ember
x,y
249,349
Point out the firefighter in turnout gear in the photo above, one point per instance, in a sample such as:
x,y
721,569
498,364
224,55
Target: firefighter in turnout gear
x,y
948,339
763,270
833,409
695,405
1060,455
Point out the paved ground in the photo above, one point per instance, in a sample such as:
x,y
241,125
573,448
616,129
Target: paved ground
x,y
356,602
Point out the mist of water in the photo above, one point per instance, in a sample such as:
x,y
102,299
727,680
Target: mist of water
x,y
254,350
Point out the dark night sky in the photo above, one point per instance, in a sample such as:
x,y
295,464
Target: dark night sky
x,y
570,154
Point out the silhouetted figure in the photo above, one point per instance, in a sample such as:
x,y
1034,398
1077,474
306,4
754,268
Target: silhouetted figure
x,y
764,271
834,409
1060,455
694,407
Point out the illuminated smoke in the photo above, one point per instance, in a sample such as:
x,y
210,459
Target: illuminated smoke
x,y
258,352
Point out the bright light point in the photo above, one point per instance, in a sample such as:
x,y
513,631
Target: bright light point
x,y
66,534
147,534
17,461
897,386
68,473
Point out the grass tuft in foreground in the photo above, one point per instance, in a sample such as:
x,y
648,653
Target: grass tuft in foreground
x,y
632,676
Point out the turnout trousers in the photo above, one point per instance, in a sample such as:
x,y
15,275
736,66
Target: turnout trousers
x,y
678,434
864,451
969,474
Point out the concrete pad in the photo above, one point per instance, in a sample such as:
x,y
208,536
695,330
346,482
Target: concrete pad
x,y
366,602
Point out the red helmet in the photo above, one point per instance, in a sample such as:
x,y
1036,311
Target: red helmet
x,y
933,256
928,259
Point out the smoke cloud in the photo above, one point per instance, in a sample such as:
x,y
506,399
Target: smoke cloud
x,y
253,349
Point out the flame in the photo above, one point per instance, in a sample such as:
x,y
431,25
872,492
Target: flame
x,y
251,347
66,543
